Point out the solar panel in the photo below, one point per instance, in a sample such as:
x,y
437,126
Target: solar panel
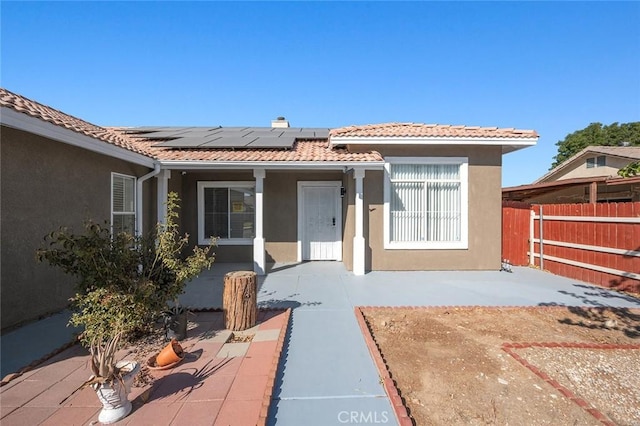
x,y
228,137
227,142
270,142
186,142
259,132
163,134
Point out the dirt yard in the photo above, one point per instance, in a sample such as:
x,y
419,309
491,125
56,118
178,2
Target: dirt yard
x,y
450,366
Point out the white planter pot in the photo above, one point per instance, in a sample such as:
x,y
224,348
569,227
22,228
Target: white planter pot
x,y
115,404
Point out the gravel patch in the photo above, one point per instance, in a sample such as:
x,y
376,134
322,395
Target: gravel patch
x,y
608,379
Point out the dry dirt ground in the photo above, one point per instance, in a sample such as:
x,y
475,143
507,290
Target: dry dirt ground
x,y
451,369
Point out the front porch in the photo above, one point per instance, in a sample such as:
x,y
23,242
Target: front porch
x,y
275,215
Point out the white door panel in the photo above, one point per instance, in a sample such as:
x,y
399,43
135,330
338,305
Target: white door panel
x,y
321,221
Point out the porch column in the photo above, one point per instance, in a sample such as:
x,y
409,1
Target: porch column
x,y
163,191
258,241
358,239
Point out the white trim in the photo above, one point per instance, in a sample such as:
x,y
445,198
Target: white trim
x,y
162,191
590,266
17,120
201,185
318,183
259,266
600,249
273,165
464,204
139,201
368,140
358,239
591,219
134,212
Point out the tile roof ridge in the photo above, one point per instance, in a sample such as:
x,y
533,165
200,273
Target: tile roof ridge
x,y
20,108
56,117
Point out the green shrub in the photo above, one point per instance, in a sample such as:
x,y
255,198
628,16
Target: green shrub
x,y
124,282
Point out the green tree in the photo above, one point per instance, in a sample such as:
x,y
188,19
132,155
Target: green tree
x,y
599,135
630,170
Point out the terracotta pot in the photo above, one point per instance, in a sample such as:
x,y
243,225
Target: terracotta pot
x,y
170,354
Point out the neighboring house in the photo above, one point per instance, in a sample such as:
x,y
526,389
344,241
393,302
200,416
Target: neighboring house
x,y
398,196
591,175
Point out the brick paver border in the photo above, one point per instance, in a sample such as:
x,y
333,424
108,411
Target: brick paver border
x,y
399,409
271,381
509,348
390,387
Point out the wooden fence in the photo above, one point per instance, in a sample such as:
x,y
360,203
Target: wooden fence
x,y
515,232
596,243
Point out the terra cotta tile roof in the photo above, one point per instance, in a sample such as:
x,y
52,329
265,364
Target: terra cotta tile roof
x,y
302,150
35,109
429,130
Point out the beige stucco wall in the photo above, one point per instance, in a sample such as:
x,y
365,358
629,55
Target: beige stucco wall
x,y
280,213
579,168
485,214
46,185
280,210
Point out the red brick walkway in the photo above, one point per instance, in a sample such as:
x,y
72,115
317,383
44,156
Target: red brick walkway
x,y
218,383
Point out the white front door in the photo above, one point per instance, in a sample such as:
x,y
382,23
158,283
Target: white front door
x,y
319,220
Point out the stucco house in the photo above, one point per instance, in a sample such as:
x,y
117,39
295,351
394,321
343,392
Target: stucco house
x,y
395,196
589,176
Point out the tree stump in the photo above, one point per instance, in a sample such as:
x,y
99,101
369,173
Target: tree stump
x,y
239,300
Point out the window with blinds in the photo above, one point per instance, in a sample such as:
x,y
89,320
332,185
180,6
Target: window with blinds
x,y
123,204
226,211
426,204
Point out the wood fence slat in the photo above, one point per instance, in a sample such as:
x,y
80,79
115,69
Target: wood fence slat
x,y
625,236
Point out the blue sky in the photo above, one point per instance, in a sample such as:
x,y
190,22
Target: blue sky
x,y
550,66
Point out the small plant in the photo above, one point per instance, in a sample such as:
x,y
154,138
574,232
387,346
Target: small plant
x,y
103,364
175,310
124,279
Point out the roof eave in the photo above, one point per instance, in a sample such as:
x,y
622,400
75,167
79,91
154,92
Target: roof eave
x,y
508,144
17,120
271,165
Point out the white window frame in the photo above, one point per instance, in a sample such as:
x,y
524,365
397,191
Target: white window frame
x,y
594,162
464,205
134,213
202,185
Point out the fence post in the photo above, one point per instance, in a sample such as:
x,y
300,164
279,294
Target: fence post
x,y
532,219
541,243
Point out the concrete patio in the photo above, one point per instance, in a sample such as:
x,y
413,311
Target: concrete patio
x,y
326,375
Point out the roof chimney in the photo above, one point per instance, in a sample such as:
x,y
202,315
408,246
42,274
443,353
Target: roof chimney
x,y
280,122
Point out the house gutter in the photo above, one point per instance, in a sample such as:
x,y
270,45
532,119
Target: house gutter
x,y
272,165
156,170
